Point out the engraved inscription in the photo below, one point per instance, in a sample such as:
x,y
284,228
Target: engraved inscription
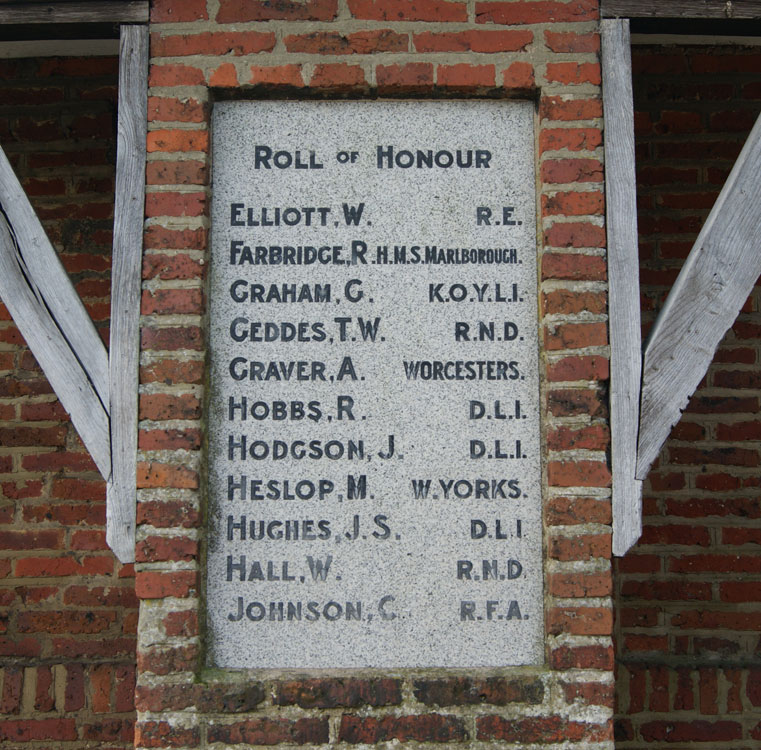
x,y
374,476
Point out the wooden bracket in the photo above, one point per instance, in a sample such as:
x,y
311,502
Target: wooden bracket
x,y
47,310
98,390
714,283
623,281
125,288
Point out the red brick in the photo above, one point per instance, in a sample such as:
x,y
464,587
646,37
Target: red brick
x,y
581,585
568,302
172,371
338,76
582,657
212,43
467,691
580,620
573,234
409,77
29,730
158,406
44,700
176,173
333,693
589,693
168,514
172,267
67,513
169,109
570,402
536,729
167,661
573,267
573,139
10,701
226,75
74,622
666,590
154,585
591,437
690,731
713,506
740,591
31,539
76,648
175,75
464,76
573,203
578,474
280,75
109,730
559,171
580,547
241,11
155,474
575,336
160,238
740,535
177,140
566,108
169,439
183,623
172,302
519,75
408,10
43,567
167,11
633,563
717,482
22,647
579,368
739,63
570,41
473,41
305,731
171,339
730,456
358,43
23,436
637,617
175,204
535,11
100,596
420,728
675,535
568,511
161,734
162,548
74,694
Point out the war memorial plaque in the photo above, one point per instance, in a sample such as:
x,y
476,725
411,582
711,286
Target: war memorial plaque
x,y
374,458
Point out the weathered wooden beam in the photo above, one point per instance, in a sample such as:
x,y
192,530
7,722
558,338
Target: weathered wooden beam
x,y
714,283
51,285
736,9
37,320
125,288
53,281
136,11
623,281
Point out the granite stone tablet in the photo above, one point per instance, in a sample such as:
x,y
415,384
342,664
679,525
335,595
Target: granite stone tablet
x,y
374,476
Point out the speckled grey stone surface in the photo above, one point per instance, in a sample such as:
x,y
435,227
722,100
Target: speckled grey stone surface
x,y
421,325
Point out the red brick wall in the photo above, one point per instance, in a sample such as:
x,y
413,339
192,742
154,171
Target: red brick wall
x,y
688,595
546,50
68,612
